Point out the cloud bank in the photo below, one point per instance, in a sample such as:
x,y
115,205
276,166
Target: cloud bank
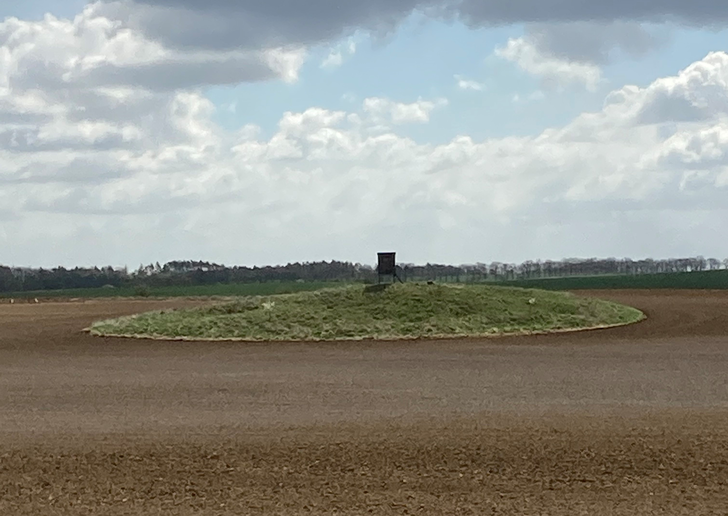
x,y
566,42
110,153
254,24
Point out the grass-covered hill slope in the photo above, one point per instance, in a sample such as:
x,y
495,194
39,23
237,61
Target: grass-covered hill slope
x,y
401,311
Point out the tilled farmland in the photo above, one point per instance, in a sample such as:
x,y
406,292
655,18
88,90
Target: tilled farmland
x,y
632,420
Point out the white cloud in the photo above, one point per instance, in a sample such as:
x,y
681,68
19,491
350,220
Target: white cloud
x,y
468,84
285,61
387,110
333,60
92,51
349,97
531,97
567,53
554,71
339,53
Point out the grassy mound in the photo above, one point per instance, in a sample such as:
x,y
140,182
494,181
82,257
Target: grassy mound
x,y
401,311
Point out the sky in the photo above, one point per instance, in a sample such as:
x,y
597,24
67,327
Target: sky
x,y
450,131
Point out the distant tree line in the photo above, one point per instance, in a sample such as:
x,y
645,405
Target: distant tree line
x,y
498,271
17,279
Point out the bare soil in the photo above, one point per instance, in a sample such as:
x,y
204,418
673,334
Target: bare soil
x,y
631,420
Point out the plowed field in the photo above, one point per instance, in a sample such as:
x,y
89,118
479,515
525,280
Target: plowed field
x,y
631,420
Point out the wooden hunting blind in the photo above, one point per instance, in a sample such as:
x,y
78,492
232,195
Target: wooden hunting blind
x,y
387,266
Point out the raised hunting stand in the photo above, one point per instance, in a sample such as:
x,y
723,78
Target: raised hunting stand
x,y
387,267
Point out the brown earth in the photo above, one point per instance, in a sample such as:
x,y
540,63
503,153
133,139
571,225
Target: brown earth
x,y
631,420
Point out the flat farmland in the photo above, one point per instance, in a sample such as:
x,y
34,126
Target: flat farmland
x,y
632,420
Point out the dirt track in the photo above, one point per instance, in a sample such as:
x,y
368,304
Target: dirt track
x,y
625,421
